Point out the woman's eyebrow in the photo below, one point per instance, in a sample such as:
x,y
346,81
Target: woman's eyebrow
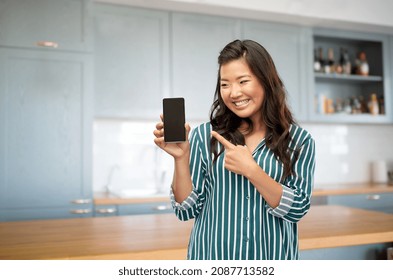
x,y
238,78
244,76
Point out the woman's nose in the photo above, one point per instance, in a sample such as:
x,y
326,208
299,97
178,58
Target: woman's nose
x,y
235,92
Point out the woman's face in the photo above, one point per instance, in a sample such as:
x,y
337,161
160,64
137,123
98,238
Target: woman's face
x,y
240,90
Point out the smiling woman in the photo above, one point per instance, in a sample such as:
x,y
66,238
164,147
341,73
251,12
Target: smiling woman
x,y
246,177
240,90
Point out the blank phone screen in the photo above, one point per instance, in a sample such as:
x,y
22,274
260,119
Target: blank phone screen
x,y
174,119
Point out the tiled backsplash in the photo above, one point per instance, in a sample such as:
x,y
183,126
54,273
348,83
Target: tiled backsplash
x,y
344,153
125,158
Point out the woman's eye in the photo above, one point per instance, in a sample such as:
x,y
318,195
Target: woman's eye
x,y
224,85
244,81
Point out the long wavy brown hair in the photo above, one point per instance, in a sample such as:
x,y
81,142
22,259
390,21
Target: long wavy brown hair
x,y
275,112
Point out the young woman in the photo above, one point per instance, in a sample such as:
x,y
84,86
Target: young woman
x,y
246,177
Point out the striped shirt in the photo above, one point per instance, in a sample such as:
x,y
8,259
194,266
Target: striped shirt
x,y
232,219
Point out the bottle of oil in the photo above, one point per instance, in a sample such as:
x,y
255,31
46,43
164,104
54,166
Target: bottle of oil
x,y
373,105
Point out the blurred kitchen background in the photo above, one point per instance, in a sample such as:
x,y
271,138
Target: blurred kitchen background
x,y
82,82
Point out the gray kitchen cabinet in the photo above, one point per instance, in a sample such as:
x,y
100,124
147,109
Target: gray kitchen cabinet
x,y
374,201
337,97
131,62
382,202
145,208
361,252
288,47
53,24
390,82
106,210
196,43
45,134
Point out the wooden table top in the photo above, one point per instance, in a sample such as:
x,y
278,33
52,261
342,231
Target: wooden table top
x,y
349,189
165,237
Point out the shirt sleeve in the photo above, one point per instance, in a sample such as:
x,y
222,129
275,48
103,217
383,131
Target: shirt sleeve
x,y
192,205
296,197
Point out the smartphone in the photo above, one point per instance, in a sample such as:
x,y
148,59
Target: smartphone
x,y
174,120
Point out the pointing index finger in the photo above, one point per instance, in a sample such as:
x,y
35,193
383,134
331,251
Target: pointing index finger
x,y
222,140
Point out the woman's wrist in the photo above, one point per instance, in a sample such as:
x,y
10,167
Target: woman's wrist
x,y
252,171
184,158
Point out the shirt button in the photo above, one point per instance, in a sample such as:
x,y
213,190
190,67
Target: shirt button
x,y
247,197
247,218
246,239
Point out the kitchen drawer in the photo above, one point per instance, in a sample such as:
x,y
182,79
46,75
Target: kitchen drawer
x,y
106,210
145,208
374,201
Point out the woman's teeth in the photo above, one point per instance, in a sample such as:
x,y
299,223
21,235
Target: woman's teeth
x,y
242,102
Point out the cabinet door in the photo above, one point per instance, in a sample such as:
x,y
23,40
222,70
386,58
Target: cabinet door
x,y
42,23
287,46
377,201
44,134
196,43
131,62
145,208
389,80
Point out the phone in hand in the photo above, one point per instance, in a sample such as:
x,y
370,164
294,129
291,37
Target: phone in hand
x,y
174,120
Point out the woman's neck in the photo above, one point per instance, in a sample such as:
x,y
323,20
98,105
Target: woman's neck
x,y
257,127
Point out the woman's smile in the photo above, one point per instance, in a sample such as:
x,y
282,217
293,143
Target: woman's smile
x,y
241,103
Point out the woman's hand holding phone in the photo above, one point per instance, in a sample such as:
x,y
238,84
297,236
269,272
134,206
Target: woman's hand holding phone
x,y
178,151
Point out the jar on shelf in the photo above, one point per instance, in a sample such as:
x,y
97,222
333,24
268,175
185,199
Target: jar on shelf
x,y
361,65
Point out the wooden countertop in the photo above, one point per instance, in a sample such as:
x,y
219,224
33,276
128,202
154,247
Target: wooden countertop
x,y
319,190
164,237
353,188
110,199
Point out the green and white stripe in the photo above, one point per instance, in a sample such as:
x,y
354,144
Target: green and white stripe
x,y
232,220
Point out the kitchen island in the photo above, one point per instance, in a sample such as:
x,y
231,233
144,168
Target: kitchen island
x,y
165,237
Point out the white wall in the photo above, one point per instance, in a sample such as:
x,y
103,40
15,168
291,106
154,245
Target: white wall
x,y
343,154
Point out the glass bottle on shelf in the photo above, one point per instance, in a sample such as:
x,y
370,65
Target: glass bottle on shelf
x,y
317,62
339,106
330,65
347,106
363,105
339,67
373,105
321,60
345,62
362,67
382,106
356,105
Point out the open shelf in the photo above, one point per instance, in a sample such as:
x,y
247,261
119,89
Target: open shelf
x,y
334,91
348,78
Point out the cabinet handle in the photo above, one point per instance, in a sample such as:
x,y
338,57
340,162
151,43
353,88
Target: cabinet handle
x,y
47,44
373,197
80,211
106,211
81,201
161,208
